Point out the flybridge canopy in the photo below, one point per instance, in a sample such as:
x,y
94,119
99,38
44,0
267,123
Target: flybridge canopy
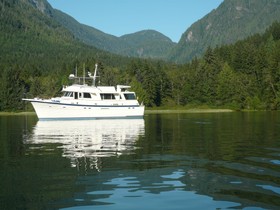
x,y
81,84
101,89
82,80
122,88
106,89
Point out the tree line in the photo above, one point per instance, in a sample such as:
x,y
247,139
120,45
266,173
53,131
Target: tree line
x,y
244,75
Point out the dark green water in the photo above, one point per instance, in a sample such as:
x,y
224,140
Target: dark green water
x,y
165,161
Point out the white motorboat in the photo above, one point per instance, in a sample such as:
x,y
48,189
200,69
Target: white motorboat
x,y
83,101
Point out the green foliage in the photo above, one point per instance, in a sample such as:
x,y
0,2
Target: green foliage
x,y
11,90
153,80
230,88
244,75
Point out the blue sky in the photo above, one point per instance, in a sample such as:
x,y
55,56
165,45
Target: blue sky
x,y
119,17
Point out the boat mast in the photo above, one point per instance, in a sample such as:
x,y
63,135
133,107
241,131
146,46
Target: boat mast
x,y
94,76
84,74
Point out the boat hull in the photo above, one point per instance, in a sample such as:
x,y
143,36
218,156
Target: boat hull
x,y
50,111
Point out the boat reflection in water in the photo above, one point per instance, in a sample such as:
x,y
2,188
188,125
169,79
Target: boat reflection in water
x,y
88,139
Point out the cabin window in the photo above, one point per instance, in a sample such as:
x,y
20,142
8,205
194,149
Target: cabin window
x,y
107,96
129,96
87,95
68,94
76,95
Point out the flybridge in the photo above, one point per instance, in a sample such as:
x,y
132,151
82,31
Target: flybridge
x,y
82,80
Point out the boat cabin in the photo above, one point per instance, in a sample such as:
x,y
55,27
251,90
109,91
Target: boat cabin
x,y
121,92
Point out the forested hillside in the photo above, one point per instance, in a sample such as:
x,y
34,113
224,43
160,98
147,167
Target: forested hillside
x,y
233,20
37,53
147,44
142,44
245,75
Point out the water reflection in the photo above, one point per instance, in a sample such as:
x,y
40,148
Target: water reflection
x,y
164,188
89,139
178,182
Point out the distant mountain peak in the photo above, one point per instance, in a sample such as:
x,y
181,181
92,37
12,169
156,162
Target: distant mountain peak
x,y
147,34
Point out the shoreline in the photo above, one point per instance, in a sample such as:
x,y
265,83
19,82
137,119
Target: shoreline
x,y
147,111
153,111
16,113
159,111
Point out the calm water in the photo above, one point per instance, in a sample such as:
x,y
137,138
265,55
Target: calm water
x,y
165,161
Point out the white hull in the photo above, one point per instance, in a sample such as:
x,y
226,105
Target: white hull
x,y
51,110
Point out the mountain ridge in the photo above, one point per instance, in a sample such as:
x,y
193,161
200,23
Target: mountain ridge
x,y
233,20
27,32
120,45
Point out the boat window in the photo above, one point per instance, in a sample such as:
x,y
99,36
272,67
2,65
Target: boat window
x,y
68,94
129,96
107,96
87,95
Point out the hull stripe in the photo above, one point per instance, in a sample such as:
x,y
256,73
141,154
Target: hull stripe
x,y
81,105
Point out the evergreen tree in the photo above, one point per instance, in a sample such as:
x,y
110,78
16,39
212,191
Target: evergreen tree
x,y
11,90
